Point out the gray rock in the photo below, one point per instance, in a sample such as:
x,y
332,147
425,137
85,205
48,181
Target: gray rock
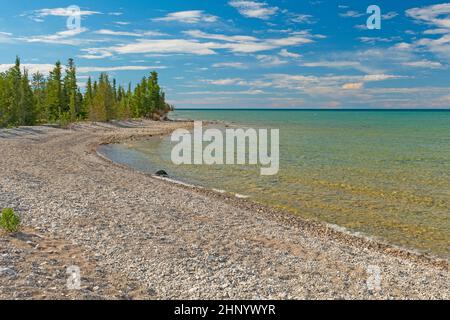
x,y
10,272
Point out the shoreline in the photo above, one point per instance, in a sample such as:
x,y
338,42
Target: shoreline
x,y
322,227
246,200
141,237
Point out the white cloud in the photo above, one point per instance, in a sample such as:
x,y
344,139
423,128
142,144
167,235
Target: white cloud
x,y
424,64
62,37
302,18
95,53
38,15
202,35
246,44
166,46
353,86
224,82
286,54
235,44
351,14
441,45
288,30
153,34
266,44
390,15
254,9
236,65
128,34
380,77
403,46
63,12
117,33
191,17
31,67
244,92
334,87
46,68
374,60
374,40
119,68
247,47
438,15
301,82
5,37
289,41
436,31
267,60
336,64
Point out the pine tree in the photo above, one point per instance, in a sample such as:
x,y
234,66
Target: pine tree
x,y
137,102
114,90
26,111
38,86
13,84
70,99
3,100
103,101
155,94
79,103
54,98
88,97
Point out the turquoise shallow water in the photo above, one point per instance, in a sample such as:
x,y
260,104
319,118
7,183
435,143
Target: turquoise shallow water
x,y
383,173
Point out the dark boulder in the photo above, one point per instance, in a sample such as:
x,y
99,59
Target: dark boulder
x,y
161,173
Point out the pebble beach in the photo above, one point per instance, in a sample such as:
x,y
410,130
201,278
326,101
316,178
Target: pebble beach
x,y
137,236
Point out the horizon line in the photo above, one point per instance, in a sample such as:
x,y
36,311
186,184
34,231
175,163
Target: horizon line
x,y
303,109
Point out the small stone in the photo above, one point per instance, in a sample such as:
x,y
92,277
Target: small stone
x,y
151,292
8,272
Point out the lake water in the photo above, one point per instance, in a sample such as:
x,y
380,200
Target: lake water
x,y
382,173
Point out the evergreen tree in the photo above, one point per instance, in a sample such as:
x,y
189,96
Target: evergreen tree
x,y
25,101
14,83
54,100
27,110
88,98
103,101
4,100
38,86
70,92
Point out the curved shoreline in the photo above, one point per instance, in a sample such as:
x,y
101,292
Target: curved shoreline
x,y
322,228
135,236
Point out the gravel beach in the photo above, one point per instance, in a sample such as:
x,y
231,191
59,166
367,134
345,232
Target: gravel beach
x,y
135,236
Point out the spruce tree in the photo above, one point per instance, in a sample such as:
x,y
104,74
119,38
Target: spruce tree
x,y
54,94
38,86
26,111
70,99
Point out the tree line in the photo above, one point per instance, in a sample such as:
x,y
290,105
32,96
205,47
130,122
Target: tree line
x,y
37,99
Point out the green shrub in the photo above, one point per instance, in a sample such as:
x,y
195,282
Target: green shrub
x,y
65,120
9,220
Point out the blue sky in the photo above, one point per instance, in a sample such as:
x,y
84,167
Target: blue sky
x,y
246,54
